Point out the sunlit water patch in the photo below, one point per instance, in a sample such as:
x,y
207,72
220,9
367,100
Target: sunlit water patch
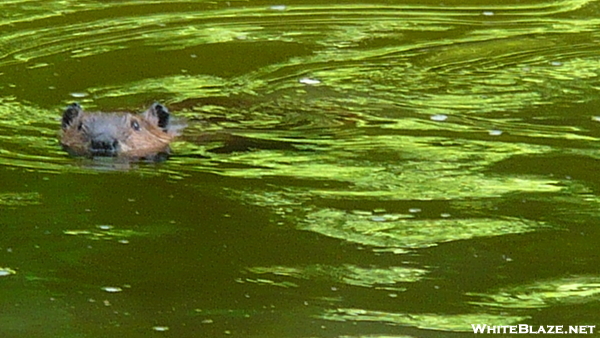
x,y
450,323
400,234
371,62
379,278
541,294
19,199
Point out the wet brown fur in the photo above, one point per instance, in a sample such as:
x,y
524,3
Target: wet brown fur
x,y
118,134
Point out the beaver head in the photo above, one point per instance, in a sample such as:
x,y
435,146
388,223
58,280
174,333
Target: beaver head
x,y
144,135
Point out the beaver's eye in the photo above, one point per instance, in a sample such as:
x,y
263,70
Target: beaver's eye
x,y
135,125
80,126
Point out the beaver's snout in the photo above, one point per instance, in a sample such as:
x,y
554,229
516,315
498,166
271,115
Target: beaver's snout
x,y
104,147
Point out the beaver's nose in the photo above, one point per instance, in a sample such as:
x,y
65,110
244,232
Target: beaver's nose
x,y
104,146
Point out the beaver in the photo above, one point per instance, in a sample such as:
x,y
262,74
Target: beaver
x,y
133,136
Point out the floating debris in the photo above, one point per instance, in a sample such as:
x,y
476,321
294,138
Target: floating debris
x,y
160,328
7,272
495,132
439,117
112,289
309,81
78,95
278,7
488,13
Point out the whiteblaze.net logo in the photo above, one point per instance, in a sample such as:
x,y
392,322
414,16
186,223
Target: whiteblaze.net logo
x,y
530,329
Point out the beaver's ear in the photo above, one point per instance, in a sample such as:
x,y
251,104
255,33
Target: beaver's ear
x,y
73,110
159,115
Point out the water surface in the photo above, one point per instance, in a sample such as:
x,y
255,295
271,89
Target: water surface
x,y
357,169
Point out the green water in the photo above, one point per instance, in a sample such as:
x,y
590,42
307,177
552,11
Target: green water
x,y
350,169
